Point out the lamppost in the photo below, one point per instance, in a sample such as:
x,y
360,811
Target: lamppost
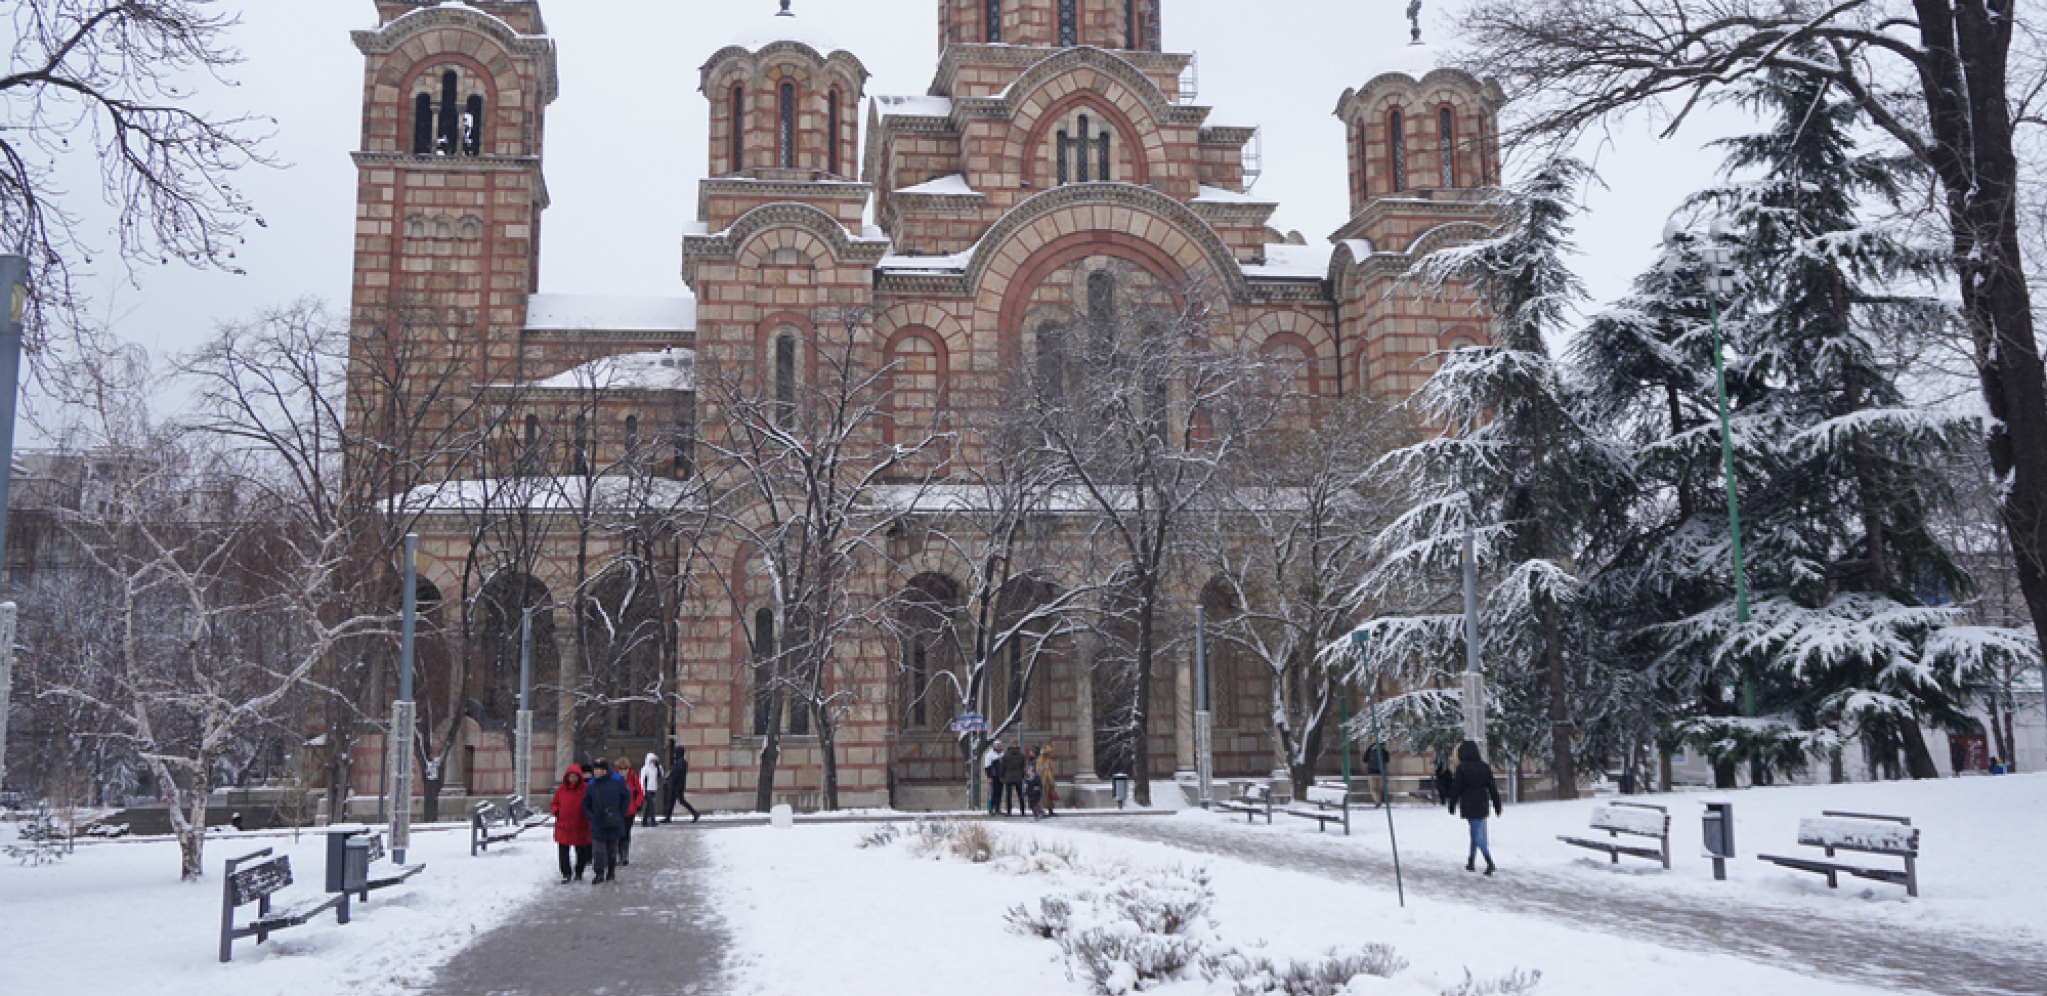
x,y
402,725
1719,279
1362,642
13,284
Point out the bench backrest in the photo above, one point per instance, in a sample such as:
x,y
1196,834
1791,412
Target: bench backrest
x,y
249,884
516,809
1328,795
1630,819
1850,833
1257,794
376,846
483,814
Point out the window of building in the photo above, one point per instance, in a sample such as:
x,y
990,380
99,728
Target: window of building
x,y
685,447
736,154
763,668
1071,149
786,127
579,460
1130,24
632,435
1080,144
450,137
785,380
1068,31
423,125
994,21
1396,152
1051,365
472,126
454,127
832,132
1446,129
529,458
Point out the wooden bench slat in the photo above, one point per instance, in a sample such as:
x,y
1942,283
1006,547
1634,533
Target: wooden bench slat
x,y
1645,822
1856,834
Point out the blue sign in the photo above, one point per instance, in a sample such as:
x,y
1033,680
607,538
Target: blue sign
x,y
970,722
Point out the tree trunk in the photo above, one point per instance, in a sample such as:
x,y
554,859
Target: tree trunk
x,y
1563,771
1301,770
771,752
1918,760
192,840
1723,775
827,753
1140,717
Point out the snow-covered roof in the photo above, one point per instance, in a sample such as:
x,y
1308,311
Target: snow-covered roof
x,y
1218,195
1359,248
609,494
950,263
923,107
1284,262
950,185
568,312
653,370
780,26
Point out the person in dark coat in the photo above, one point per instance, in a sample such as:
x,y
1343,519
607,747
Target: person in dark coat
x,y
1445,782
608,805
1472,787
571,827
1013,765
678,783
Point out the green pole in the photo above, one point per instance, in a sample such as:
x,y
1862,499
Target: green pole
x,y
1362,642
1343,725
1748,678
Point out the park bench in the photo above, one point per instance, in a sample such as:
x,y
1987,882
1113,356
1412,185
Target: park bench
x,y
1253,800
1638,818
517,818
1866,832
1325,804
246,883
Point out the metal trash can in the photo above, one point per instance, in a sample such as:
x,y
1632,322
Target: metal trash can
x,y
1627,783
1718,827
1120,785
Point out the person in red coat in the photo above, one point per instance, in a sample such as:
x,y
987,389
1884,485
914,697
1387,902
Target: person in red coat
x,y
571,827
624,770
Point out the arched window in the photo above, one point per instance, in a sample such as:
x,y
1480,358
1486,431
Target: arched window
x,y
1101,297
796,644
785,380
1061,146
1080,145
1130,24
1485,158
423,125
1102,156
1396,152
1068,31
685,447
994,22
737,153
832,132
579,460
450,138
472,127
1446,131
786,126
529,458
632,436
763,668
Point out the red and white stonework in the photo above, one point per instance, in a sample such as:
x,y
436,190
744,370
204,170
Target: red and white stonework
x,y
1053,142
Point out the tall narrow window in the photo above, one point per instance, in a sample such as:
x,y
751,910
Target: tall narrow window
x,y
1061,157
579,461
738,138
920,671
1101,297
796,642
1446,131
1102,157
786,117
1485,156
1051,360
994,21
785,380
632,436
423,125
472,127
529,458
1396,149
450,138
763,668
685,447
831,142
1130,24
1080,152
1068,31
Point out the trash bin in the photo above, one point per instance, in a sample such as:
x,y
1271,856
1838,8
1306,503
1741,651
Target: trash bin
x,y
1718,827
1120,784
1627,783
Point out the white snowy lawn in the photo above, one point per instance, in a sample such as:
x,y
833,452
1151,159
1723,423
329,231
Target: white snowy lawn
x,y
809,911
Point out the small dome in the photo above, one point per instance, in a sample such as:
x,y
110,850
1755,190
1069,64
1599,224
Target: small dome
x,y
1416,60
785,26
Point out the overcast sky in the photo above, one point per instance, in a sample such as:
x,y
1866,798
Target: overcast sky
x,y
626,147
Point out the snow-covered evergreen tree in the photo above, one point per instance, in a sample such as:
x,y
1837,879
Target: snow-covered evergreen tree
x,y
1515,462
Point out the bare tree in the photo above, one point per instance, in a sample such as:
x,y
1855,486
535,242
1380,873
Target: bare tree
x,y
107,80
1939,77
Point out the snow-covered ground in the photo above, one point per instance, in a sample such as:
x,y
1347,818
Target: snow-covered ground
x,y
809,910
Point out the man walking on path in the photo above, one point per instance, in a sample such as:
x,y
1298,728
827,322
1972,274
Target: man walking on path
x,y
650,788
678,783
1012,779
607,804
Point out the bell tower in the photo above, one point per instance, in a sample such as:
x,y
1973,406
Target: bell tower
x,y
449,188
1126,25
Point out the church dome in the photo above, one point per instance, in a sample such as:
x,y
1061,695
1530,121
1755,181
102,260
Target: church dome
x,y
782,26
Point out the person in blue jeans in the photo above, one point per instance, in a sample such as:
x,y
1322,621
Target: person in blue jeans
x,y
1472,787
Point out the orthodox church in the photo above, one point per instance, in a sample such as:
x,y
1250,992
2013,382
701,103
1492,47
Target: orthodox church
x,y
938,235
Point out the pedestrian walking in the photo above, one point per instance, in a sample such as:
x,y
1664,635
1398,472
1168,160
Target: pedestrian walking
x,y
1472,787
1997,767
678,783
1013,765
607,805
571,827
1445,783
623,769
650,788
991,766
1048,778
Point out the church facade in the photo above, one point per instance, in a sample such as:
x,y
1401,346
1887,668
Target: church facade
x,y
938,237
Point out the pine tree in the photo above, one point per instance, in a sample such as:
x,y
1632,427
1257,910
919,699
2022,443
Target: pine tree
x,y
1517,464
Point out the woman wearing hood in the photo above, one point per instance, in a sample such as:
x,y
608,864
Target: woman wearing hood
x,y
1472,788
571,827
623,770
650,786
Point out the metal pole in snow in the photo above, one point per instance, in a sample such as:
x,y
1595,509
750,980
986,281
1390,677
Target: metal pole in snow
x,y
1362,641
1474,673
522,768
402,712
13,283
1204,738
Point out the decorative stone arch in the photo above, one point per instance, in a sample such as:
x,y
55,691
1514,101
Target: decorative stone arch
x,y
1047,90
1442,236
416,35
1137,135
1459,337
922,341
952,335
734,63
836,243
1314,338
1310,378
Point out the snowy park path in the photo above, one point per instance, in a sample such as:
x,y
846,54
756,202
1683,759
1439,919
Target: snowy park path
x,y
652,933
1950,964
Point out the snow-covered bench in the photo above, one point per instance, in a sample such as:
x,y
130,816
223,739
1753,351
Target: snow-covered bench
x,y
1638,818
1866,832
1325,804
256,884
1252,800
516,816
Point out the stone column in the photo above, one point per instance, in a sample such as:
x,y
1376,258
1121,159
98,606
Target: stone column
x,y
569,669
1084,709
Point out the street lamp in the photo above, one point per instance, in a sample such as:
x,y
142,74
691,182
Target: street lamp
x,y
1718,279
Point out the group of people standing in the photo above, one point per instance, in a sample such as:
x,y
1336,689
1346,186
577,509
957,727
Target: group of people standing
x,y
1020,775
594,807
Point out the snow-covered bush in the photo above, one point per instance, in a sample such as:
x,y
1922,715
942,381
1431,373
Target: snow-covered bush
x,y
1329,975
881,836
1514,983
1122,938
